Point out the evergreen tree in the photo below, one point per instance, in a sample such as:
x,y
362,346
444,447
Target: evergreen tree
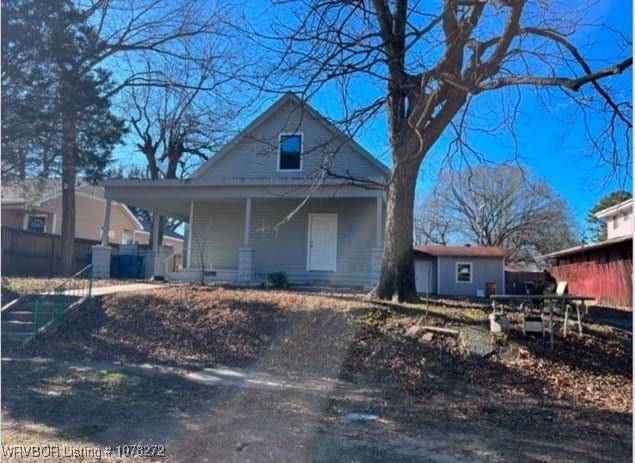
x,y
57,109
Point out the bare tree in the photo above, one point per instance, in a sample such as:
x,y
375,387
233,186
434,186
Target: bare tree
x,y
426,63
498,206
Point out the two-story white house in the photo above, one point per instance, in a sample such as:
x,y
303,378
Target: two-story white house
x,y
618,218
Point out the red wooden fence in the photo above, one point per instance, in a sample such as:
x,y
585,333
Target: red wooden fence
x,y
610,283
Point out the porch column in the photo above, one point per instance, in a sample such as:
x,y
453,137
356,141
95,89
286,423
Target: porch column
x,y
377,251
190,230
245,252
105,229
247,223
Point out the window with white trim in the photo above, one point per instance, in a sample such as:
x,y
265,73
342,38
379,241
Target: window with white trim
x,y
615,219
36,223
290,153
464,272
126,237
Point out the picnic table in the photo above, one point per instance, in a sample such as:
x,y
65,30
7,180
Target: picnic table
x,y
550,301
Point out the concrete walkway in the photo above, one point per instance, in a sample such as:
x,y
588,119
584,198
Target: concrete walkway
x,y
103,290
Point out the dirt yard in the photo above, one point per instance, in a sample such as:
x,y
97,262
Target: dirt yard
x,y
218,374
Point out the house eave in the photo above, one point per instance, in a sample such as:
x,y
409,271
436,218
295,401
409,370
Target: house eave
x,y
586,247
621,207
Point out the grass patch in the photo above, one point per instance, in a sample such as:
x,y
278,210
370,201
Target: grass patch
x,y
113,378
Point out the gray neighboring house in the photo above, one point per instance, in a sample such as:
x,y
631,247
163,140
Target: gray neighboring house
x,y
459,270
263,204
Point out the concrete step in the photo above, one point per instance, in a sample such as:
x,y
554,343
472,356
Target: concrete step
x,y
15,326
25,315
16,336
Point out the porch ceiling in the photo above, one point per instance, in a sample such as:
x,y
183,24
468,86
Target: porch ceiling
x,y
170,207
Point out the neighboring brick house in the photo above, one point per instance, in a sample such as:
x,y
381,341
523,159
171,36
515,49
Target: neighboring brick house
x,y
36,205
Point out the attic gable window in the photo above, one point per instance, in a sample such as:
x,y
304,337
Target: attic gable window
x,y
290,153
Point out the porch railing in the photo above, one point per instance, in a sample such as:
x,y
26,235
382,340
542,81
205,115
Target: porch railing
x,y
51,305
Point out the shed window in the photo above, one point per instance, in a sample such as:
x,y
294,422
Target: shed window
x,y
36,223
290,157
615,219
464,272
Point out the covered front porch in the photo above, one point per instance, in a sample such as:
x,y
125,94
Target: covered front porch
x,y
331,236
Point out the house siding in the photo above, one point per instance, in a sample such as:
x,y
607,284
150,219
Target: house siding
x,y
89,218
484,270
255,157
15,218
285,250
217,227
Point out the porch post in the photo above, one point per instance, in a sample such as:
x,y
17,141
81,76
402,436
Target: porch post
x,y
105,229
157,267
377,251
245,252
190,229
155,232
247,223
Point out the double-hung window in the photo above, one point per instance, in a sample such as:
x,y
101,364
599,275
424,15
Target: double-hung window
x,y
290,154
464,272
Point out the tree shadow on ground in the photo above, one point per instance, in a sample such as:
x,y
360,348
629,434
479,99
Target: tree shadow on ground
x,y
92,405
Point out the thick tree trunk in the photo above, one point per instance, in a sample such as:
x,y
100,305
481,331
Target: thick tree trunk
x,y
67,240
397,271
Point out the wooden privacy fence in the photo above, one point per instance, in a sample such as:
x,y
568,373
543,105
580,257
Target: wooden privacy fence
x,y
610,283
27,253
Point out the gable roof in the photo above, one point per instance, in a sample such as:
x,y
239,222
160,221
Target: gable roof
x,y
18,191
38,190
294,99
35,191
460,251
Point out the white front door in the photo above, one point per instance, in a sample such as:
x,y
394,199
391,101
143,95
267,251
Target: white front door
x,y
322,245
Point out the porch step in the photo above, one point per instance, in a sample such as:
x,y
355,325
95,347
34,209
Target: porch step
x,y
16,336
25,315
15,326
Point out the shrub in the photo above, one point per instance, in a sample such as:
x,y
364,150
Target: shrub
x,y
278,280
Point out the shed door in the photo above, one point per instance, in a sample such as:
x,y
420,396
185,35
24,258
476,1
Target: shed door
x,y
423,276
322,245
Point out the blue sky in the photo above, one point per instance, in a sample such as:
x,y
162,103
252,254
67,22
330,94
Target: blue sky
x,y
557,151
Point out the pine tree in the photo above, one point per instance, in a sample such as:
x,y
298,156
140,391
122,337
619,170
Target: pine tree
x,y
58,115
